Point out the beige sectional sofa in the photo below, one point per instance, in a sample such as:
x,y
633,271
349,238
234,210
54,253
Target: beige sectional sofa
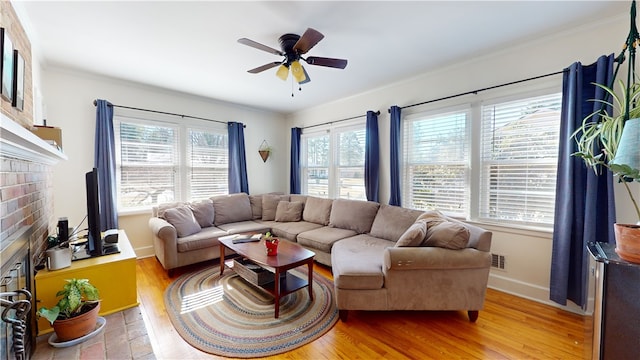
x,y
382,257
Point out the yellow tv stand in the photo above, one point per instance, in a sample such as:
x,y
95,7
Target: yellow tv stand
x,y
114,275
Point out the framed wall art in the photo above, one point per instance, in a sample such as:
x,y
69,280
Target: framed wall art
x,y
6,66
18,81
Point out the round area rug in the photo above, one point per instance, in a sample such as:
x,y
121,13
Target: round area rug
x,y
228,316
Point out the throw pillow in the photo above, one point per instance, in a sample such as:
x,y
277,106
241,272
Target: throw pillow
x,y
231,208
203,212
183,220
256,206
414,236
448,235
289,211
270,205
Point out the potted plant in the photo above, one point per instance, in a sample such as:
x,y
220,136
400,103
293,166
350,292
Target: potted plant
x,y
76,313
606,134
271,243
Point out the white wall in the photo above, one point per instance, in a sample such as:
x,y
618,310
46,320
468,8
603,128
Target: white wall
x,y
69,97
528,251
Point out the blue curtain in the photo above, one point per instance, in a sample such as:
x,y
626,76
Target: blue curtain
x,y
105,162
372,158
294,182
394,142
585,208
237,159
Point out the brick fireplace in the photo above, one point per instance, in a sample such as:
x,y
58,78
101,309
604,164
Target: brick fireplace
x,y
26,215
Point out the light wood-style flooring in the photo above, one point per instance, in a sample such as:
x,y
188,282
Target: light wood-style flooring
x,y
509,327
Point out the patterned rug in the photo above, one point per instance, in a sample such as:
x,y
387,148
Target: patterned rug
x,y
227,316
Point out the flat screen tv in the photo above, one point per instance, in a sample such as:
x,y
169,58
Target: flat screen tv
x,y
94,237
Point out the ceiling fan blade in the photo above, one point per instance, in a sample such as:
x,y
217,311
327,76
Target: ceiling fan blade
x,y
328,62
308,40
259,46
264,67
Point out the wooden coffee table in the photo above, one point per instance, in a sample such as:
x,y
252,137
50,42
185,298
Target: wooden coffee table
x,y
290,255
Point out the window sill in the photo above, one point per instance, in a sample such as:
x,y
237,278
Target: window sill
x,y
525,230
133,212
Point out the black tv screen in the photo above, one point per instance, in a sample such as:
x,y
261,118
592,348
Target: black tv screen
x,y
94,238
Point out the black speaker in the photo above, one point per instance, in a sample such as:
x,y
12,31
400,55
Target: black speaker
x,y
63,230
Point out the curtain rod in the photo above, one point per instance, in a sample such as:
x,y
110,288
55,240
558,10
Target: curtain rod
x,y
335,121
95,102
483,89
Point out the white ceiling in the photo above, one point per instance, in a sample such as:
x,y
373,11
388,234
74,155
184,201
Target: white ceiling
x,y
192,46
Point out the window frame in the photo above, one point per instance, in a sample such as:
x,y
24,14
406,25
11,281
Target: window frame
x,y
182,192
332,131
475,101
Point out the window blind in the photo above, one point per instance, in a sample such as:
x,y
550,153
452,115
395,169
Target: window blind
x,y
316,165
207,157
519,159
350,174
147,162
436,162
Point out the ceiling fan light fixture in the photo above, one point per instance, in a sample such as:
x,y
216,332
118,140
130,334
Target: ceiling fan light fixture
x,y
298,72
283,72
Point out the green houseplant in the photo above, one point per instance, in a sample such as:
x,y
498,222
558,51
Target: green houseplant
x,y
606,134
76,312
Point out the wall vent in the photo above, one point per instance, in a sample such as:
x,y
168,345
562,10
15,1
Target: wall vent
x,y
498,261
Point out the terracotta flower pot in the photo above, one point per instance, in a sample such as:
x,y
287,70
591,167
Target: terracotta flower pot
x,y
628,242
272,247
78,326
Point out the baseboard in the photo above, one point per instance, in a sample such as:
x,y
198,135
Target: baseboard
x,y
534,292
144,252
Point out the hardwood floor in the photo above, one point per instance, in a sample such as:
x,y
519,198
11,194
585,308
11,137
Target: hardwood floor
x,y
509,327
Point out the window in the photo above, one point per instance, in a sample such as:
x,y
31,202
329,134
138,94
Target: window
x,y
436,162
333,162
152,168
519,159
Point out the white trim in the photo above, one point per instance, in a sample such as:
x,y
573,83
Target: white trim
x,y
18,142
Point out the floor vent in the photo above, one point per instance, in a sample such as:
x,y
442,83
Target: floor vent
x,y
498,261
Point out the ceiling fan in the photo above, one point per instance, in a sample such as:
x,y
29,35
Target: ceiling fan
x,y
293,47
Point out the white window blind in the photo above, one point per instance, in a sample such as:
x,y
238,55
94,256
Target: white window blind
x,y
519,159
315,171
207,156
350,172
147,164
436,162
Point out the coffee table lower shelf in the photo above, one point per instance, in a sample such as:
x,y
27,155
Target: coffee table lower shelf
x,y
288,284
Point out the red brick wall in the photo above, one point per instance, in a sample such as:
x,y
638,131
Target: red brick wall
x,y
26,198
11,24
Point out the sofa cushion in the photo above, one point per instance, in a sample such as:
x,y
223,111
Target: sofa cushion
x,y
183,220
270,205
231,208
161,208
357,262
298,198
317,210
392,221
448,235
354,215
256,206
433,218
245,227
203,212
289,211
414,236
324,237
204,239
290,230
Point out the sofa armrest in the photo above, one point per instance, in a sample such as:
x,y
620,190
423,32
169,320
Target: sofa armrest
x,y
165,242
421,258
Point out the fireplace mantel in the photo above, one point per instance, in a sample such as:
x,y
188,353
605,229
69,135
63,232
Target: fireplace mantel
x,y
18,142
